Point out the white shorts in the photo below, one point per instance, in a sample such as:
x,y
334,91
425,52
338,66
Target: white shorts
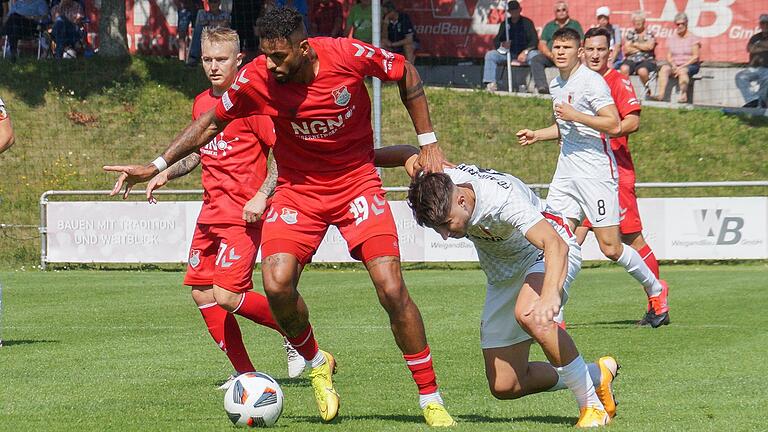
x,y
498,327
597,199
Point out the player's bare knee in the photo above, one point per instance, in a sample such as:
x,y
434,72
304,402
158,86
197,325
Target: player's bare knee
x,y
392,294
506,389
202,295
278,280
612,251
226,299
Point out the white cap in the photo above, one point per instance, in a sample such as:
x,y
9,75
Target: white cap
x,y
603,11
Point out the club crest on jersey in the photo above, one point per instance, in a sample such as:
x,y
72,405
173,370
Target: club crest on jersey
x,y
289,216
194,258
341,96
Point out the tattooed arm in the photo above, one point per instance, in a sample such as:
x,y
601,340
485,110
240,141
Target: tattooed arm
x,y
256,206
180,168
415,100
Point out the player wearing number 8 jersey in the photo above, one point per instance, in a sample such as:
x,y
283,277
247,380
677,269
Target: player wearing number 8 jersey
x,y
585,181
596,58
313,88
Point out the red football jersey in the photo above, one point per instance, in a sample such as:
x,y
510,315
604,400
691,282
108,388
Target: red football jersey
x,y
324,127
234,164
626,102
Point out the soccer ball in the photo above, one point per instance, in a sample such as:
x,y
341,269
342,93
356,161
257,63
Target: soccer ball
x,y
254,399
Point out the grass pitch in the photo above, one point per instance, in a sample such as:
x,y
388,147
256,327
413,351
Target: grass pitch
x,y
128,351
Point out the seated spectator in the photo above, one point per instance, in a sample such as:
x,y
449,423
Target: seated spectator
x,y
603,14
67,20
544,60
682,59
214,17
6,129
757,72
401,36
23,19
359,24
187,16
326,19
639,49
517,36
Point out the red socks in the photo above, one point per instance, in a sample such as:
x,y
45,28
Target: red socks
x,y
420,365
226,333
255,307
650,259
305,343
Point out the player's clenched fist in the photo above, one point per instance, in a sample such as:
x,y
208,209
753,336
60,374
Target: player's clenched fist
x,y
254,208
526,137
566,112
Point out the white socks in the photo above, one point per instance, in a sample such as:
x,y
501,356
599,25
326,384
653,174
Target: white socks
x,y
594,373
577,377
425,399
634,264
317,360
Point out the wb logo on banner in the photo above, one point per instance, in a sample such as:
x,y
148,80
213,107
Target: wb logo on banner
x,y
715,223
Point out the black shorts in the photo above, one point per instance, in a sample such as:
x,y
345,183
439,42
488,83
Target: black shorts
x,y
649,64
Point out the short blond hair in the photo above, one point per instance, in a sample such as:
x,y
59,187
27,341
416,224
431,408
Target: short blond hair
x,y
217,35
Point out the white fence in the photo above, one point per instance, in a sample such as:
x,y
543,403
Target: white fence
x,y
138,232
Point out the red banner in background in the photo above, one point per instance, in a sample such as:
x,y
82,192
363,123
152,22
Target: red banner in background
x,y
465,28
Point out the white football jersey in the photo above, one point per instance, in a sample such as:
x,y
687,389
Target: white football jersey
x,y
505,209
584,152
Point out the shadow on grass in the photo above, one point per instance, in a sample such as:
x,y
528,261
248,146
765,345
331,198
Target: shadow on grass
x,y
476,418
294,382
401,418
12,342
613,324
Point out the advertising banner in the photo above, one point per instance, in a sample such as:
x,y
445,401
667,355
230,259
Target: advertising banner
x,y
465,28
137,232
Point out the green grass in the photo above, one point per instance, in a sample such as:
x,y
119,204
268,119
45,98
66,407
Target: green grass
x,y
112,350
73,117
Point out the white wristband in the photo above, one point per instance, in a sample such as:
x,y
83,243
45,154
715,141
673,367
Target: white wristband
x,y
426,138
160,163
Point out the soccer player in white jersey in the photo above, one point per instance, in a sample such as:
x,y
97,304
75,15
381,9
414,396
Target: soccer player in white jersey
x,y
530,257
585,182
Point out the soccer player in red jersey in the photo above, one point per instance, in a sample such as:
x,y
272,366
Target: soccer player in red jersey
x,y
236,187
596,52
313,88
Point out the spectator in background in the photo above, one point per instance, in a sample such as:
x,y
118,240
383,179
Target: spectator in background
x,y
6,129
603,14
359,24
545,59
187,15
400,36
757,72
213,17
244,16
67,19
639,47
682,59
517,35
22,21
326,19
3,11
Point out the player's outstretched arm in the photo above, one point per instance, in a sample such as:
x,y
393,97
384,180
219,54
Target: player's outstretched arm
x,y
606,121
544,237
412,94
393,156
527,136
194,136
179,169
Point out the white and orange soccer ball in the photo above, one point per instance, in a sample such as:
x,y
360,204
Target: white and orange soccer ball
x,y
254,399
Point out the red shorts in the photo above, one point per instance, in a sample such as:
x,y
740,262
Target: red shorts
x,y
297,222
223,255
629,213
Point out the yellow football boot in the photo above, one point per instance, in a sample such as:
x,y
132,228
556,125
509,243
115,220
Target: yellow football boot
x,y
437,416
609,368
322,382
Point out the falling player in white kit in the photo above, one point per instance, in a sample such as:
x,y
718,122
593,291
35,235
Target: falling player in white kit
x,y
530,258
585,183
